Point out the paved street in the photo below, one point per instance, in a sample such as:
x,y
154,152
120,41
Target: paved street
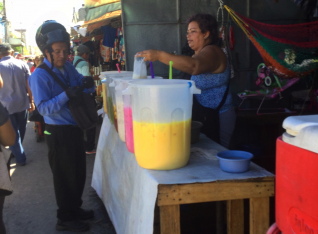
x,y
31,209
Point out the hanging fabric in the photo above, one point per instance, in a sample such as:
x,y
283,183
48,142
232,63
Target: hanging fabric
x,y
287,50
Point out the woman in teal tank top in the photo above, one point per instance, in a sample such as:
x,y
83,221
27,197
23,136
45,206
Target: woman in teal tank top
x,y
210,70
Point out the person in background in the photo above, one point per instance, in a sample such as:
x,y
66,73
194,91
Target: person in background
x,y
71,56
14,97
64,138
7,138
82,66
30,63
37,61
210,70
80,60
19,56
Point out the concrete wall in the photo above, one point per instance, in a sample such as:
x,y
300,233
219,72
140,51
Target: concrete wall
x,y
160,24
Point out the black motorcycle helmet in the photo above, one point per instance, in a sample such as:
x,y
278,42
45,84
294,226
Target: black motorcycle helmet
x,y
48,33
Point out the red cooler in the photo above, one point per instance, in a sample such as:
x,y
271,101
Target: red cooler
x,y
297,177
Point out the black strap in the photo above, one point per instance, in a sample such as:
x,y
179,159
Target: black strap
x,y
78,61
55,77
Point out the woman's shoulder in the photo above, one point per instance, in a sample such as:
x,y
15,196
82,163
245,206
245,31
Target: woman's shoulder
x,y
218,54
215,49
212,47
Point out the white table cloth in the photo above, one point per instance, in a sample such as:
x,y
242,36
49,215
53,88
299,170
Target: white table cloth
x,y
129,192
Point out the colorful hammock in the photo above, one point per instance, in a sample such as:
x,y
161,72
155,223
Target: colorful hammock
x,y
287,50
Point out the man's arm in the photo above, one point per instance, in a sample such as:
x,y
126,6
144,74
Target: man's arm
x,y
40,87
1,82
27,74
32,108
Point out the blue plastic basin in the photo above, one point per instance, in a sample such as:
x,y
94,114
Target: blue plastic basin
x,y
234,161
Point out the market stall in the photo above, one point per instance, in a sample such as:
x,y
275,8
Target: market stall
x,y
130,192
98,25
145,157
107,51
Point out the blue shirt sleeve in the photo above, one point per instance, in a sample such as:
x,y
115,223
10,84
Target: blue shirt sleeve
x,y
46,102
79,77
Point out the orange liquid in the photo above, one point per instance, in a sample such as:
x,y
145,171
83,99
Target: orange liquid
x,y
162,146
104,97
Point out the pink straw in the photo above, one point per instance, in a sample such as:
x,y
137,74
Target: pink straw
x,y
117,64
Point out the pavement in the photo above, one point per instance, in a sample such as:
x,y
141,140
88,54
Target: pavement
x,y
31,209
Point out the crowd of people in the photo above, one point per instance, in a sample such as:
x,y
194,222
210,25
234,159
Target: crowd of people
x,y
31,61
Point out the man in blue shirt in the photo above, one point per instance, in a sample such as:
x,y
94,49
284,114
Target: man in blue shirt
x,y
14,96
64,138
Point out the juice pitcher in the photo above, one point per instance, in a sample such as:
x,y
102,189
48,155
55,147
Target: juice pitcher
x,y
161,111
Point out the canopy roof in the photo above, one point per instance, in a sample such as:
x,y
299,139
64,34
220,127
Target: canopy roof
x,y
97,3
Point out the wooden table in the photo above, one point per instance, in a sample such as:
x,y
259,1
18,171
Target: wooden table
x,y
258,191
130,193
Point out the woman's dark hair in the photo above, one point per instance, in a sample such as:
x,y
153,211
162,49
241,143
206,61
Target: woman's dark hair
x,y
206,23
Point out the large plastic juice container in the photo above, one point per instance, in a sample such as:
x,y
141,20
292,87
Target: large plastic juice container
x,y
161,112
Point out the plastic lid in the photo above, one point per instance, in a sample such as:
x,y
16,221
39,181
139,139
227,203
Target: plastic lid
x,y
305,139
294,124
114,76
160,83
115,72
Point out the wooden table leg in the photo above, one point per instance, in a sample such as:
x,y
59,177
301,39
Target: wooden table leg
x,y
235,216
259,215
170,219
220,217
156,221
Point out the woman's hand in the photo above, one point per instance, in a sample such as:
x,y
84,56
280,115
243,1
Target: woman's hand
x,y
150,55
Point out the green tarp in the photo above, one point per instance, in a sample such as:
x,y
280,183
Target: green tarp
x,y
97,12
